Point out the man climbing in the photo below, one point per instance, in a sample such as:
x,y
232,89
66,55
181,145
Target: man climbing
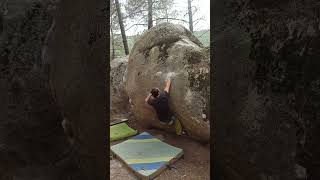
x,y
160,102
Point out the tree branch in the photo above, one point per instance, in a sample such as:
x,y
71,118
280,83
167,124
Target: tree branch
x,y
204,33
139,6
137,12
136,25
172,19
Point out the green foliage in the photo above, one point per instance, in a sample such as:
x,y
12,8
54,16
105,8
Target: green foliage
x,y
203,36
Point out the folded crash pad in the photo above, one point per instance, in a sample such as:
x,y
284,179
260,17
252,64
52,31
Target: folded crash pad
x,y
118,121
146,155
121,131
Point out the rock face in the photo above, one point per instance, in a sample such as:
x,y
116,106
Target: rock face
x,y
265,90
287,60
33,144
119,100
76,54
169,48
30,129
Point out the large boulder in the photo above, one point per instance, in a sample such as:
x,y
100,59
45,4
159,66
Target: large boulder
x,y
31,136
266,85
169,48
33,144
119,100
76,54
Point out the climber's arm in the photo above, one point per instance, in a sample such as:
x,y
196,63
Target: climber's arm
x,y
168,83
148,97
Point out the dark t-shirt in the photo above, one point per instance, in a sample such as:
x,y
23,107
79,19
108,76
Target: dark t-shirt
x,y
161,105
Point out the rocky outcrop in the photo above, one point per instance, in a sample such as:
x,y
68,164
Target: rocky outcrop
x,y
285,53
119,100
33,143
169,48
30,131
76,54
33,134
265,90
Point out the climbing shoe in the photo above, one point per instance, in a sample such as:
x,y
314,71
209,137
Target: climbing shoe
x,y
178,127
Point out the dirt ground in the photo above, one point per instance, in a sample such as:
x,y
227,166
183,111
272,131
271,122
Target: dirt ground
x,y
195,165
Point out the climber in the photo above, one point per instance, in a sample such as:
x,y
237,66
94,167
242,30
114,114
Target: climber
x,y
160,102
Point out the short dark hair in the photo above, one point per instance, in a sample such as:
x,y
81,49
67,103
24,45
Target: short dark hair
x,y
154,92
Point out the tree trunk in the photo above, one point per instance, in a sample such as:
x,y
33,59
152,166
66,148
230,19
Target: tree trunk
x,y
112,42
150,14
112,45
167,16
123,32
190,16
